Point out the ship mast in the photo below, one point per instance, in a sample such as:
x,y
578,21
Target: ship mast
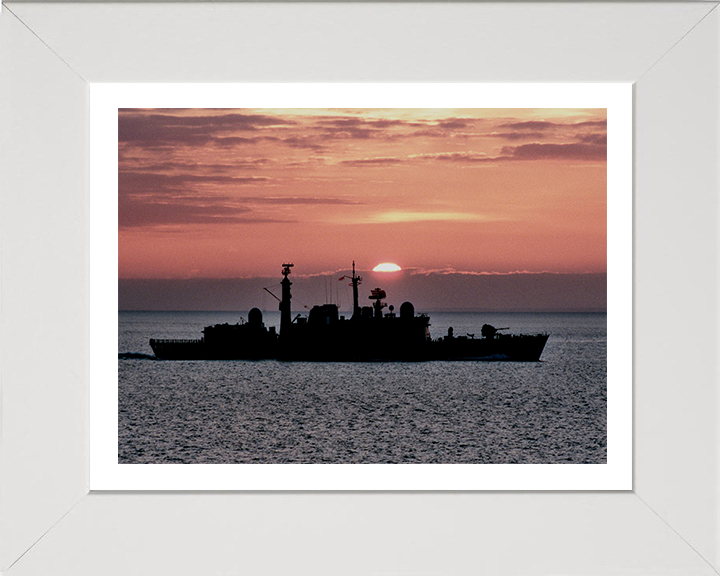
x,y
285,313
356,302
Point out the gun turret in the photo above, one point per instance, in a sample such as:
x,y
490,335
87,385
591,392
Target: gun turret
x,y
489,331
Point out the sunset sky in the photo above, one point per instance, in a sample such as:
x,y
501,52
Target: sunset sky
x,y
208,193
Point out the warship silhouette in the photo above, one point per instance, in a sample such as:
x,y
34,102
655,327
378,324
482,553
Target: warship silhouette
x,y
370,334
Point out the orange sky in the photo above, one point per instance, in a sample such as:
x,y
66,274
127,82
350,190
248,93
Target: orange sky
x,y
235,193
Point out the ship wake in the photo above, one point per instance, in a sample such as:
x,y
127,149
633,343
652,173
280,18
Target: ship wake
x,y
135,356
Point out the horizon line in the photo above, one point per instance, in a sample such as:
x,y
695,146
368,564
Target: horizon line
x,y
424,273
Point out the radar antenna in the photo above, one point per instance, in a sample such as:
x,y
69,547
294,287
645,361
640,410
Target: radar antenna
x,y
354,282
378,294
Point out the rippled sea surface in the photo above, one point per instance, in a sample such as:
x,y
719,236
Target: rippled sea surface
x,y
552,411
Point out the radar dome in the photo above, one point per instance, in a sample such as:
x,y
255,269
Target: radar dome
x,y
407,310
255,316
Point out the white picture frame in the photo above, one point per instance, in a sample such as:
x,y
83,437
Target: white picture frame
x,y
668,523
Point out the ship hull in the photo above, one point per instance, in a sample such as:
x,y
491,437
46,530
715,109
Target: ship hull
x,y
522,348
178,349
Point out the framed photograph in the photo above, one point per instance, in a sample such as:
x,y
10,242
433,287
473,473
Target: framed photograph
x,y
78,128
499,211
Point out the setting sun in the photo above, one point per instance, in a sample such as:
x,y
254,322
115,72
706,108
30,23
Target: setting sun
x,y
387,267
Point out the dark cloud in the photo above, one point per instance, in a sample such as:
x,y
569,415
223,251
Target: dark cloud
x,y
593,149
578,151
135,212
380,161
169,203
531,125
295,200
194,167
146,182
594,139
461,157
352,132
541,125
591,124
303,142
535,151
139,133
165,130
451,127
229,121
184,210
392,123
228,141
518,135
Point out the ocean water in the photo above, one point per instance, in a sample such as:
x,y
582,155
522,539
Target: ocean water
x,y
552,411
